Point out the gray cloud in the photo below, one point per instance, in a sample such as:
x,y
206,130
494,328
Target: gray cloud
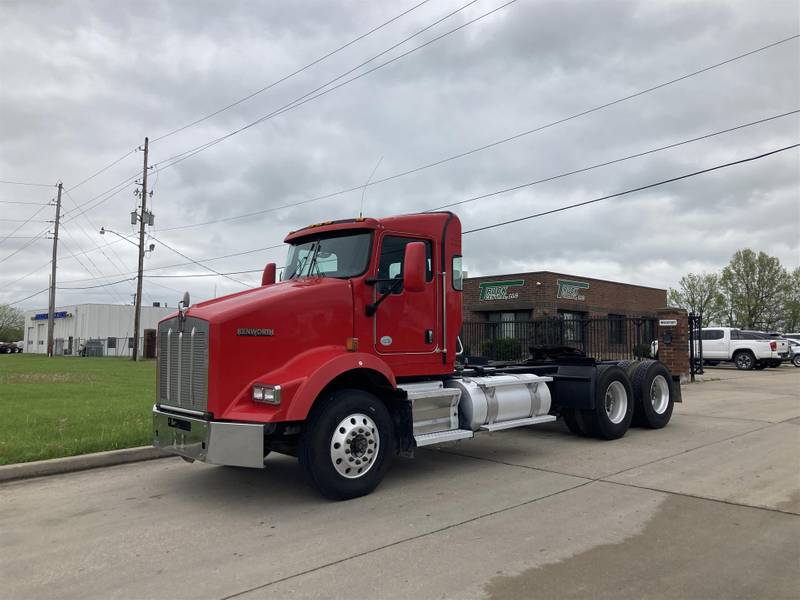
x,y
83,82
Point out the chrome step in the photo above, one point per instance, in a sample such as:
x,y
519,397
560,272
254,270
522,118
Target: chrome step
x,y
426,439
518,423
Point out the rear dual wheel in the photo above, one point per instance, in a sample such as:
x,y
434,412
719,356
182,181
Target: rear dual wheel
x,y
613,409
652,392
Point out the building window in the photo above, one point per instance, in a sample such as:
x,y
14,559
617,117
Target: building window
x,y
573,327
616,329
130,343
509,323
111,344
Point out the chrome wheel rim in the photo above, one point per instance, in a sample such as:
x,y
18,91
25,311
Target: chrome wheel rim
x,y
616,402
744,360
354,446
659,394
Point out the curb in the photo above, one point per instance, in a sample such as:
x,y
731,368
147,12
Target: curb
x,y
69,464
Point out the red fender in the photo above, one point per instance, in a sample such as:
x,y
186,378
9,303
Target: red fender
x,y
301,380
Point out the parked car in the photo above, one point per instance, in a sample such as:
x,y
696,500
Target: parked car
x,y
746,349
792,336
20,346
794,351
5,348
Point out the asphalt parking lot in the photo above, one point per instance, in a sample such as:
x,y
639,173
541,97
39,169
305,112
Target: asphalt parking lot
x,y
708,507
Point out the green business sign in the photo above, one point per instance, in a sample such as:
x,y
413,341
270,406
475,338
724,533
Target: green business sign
x,y
571,290
499,290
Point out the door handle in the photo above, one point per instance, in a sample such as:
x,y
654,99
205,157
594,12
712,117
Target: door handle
x,y
429,336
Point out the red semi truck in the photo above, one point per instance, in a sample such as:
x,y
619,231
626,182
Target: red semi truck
x,y
352,358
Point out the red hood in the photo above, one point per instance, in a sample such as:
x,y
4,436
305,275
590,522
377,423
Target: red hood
x,y
290,316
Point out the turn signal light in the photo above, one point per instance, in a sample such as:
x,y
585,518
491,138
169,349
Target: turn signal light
x,y
351,344
267,394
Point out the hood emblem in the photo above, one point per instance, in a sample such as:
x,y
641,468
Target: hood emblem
x,y
255,332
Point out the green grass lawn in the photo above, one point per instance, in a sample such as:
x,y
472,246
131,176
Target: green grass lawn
x,y
62,406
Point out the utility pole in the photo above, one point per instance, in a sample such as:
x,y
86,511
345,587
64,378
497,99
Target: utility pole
x,y
143,218
51,308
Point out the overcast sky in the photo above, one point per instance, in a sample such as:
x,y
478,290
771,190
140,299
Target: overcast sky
x,y
82,83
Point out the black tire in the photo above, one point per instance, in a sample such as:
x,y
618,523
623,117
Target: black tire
x,y
613,411
574,423
629,366
317,444
796,360
653,395
744,360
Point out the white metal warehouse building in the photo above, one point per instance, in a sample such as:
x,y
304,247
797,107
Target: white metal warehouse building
x,y
105,329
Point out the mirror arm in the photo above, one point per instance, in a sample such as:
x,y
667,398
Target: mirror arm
x,y
373,307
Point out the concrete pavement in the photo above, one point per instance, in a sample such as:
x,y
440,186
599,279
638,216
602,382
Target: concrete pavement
x,y
707,507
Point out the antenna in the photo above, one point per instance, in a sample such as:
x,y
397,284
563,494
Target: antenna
x,y
364,189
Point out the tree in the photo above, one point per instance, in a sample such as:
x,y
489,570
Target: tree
x,y
700,293
12,322
791,303
755,287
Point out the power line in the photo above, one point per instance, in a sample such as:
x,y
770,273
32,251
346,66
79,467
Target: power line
x,y
103,170
493,144
24,203
191,152
27,297
7,182
303,99
102,285
503,223
612,162
24,221
23,247
199,263
292,74
40,209
632,190
512,188
204,274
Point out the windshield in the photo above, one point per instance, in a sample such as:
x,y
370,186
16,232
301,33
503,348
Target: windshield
x,y
336,256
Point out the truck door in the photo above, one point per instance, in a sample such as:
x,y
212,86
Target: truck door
x,y
405,323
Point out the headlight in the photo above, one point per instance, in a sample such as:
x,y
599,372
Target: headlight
x,y
267,394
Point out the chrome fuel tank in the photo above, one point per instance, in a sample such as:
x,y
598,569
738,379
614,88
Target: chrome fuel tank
x,y
486,401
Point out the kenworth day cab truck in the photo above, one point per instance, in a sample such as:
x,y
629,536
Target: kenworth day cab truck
x,y
351,359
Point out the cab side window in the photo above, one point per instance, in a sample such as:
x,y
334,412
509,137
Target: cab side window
x,y
390,266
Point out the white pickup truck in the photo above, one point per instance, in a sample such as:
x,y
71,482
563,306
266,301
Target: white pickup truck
x,y
746,349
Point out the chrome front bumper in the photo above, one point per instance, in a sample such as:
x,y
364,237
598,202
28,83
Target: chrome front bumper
x,y
216,442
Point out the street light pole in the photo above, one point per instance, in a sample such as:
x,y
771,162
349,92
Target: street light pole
x,y
142,219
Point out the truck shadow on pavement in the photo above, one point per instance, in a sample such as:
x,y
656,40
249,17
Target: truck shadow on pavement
x,y
283,484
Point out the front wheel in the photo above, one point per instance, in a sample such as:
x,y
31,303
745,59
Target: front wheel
x,y
348,444
796,360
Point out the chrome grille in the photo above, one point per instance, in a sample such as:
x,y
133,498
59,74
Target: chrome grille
x,y
183,364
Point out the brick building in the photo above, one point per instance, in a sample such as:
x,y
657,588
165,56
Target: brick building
x,y
542,294
504,315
